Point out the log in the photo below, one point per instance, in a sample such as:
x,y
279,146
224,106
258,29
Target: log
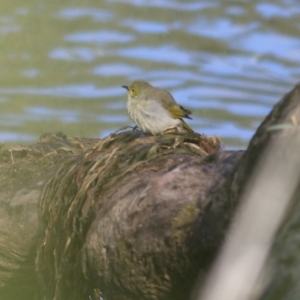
x,y
131,216
118,219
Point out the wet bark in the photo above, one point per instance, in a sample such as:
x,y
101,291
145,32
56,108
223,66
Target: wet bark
x,y
131,216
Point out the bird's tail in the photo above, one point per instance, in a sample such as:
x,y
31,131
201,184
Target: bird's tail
x,y
186,126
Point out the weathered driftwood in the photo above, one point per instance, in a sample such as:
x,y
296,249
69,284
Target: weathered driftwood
x,y
126,217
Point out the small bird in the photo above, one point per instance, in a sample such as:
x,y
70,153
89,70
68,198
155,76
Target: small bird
x,y
153,109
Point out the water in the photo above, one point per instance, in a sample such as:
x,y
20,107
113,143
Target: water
x,y
62,63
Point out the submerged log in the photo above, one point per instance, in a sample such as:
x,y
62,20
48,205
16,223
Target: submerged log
x,y
131,216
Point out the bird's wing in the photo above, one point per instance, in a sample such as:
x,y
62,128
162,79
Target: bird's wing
x,y
169,103
179,111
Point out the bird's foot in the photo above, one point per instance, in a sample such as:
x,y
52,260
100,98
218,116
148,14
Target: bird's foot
x,y
124,128
135,128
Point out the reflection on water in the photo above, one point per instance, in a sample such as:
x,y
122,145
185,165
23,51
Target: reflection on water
x,y
62,63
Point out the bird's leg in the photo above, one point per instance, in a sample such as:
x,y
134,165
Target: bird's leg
x,y
135,128
124,129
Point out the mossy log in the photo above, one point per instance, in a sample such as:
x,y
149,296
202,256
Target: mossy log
x,y
131,216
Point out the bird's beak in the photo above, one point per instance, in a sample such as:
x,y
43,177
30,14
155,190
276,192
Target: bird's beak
x,y
125,87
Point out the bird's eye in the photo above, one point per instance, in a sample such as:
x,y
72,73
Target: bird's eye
x,y
132,90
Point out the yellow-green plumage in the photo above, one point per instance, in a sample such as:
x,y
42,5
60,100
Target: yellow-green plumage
x,y
153,109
